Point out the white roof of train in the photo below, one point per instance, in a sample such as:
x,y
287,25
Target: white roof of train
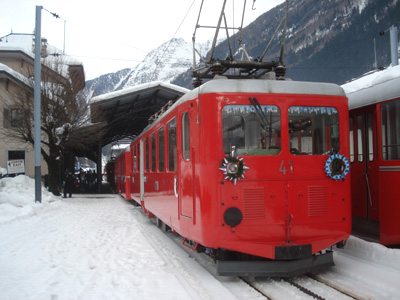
x,y
270,86
374,88
258,86
263,86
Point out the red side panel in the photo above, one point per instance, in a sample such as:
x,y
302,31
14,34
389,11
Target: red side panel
x,y
389,178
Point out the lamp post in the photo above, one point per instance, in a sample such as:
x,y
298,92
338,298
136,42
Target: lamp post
x,y
37,79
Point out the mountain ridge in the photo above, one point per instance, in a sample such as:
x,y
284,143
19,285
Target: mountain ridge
x,y
327,40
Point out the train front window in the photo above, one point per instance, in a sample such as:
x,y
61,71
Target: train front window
x,y
313,130
252,131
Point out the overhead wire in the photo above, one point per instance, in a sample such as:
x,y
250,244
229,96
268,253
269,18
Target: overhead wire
x,y
57,16
170,41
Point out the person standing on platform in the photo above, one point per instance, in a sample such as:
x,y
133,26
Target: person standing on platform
x,y
68,183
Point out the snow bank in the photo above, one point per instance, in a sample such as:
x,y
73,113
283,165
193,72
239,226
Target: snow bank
x,y
372,252
3,172
17,198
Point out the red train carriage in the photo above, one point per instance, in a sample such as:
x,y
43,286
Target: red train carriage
x,y
251,169
110,170
374,103
122,174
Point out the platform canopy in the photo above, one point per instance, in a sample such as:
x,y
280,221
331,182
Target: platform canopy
x,y
126,112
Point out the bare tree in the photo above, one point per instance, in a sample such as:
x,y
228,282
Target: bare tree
x,y
65,119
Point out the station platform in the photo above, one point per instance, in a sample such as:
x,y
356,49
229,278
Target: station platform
x,y
104,189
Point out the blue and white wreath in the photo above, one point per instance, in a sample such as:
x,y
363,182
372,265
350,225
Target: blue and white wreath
x,y
337,167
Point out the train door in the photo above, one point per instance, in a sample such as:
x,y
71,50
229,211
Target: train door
x,y
185,163
389,173
141,164
364,164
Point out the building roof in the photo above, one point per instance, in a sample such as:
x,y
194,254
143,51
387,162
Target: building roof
x,y
127,112
20,45
7,72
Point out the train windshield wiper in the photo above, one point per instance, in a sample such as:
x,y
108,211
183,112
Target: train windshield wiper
x,y
260,114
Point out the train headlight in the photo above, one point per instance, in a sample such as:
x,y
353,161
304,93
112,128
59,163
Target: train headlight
x,y
233,216
232,168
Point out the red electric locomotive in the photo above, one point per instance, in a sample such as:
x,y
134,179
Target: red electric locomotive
x,y
254,172
374,103
122,174
110,172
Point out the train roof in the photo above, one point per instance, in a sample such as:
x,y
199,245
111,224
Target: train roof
x,y
373,88
270,86
258,86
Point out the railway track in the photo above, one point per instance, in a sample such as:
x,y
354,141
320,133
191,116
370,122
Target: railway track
x,y
283,288
309,285
335,284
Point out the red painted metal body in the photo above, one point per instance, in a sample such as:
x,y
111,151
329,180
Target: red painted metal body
x,y
110,172
285,197
375,155
122,174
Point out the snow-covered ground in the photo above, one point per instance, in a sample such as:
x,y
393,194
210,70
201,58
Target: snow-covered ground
x,y
102,247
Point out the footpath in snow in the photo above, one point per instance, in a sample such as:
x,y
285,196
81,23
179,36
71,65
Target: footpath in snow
x,y
102,247
96,247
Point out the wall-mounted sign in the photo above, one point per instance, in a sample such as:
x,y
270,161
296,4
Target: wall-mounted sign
x,y
16,166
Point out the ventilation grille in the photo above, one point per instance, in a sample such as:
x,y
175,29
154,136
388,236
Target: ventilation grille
x,y
317,201
253,204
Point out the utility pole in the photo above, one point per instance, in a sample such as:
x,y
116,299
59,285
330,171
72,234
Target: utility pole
x,y
37,125
394,44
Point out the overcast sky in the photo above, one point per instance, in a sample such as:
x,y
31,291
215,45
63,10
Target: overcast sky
x,y
108,36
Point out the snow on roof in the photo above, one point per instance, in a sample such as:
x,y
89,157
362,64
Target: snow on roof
x,y
18,42
23,42
137,88
16,75
374,87
270,86
258,86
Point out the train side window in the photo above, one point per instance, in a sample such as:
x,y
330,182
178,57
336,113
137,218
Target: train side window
x,y
161,145
251,131
138,157
351,137
313,130
370,131
133,159
185,136
147,155
172,157
153,152
390,130
360,138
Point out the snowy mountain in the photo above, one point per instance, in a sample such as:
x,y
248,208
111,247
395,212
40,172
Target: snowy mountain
x,y
327,40
164,63
104,84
